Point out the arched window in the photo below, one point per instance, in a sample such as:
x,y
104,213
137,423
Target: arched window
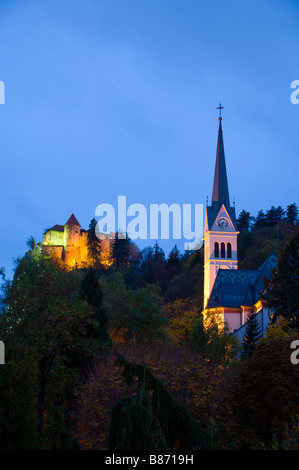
x,y
222,250
216,250
229,250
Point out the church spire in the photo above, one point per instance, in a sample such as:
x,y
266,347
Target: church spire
x,y
220,187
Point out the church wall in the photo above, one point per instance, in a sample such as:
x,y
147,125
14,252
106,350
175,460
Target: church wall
x,y
233,320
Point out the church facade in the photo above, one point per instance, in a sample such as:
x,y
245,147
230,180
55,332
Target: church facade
x,y
231,292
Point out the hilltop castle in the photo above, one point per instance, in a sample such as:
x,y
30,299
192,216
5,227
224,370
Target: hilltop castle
x,y
68,243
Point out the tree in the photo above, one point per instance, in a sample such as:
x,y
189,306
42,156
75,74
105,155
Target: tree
x,y
211,338
93,243
282,290
133,315
153,420
91,291
46,329
292,214
174,260
274,216
244,221
31,243
265,396
260,221
121,250
252,334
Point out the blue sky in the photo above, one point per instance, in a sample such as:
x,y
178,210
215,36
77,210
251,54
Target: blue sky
x,y
119,97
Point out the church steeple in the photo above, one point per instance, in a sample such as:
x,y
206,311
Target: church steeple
x,y
220,194
220,239
220,187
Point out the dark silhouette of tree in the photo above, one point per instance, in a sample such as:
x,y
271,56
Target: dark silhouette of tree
x,y
282,290
244,221
121,250
292,214
260,221
174,259
93,243
31,243
274,216
153,420
91,291
252,334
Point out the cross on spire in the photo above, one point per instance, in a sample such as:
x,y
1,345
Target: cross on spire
x,y
220,107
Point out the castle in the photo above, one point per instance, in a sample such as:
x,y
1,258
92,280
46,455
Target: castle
x,y
69,244
231,292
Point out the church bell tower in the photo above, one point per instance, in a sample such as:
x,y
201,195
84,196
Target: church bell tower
x,y
220,234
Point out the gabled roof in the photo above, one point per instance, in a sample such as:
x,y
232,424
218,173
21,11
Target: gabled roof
x,y
72,221
236,287
57,228
213,211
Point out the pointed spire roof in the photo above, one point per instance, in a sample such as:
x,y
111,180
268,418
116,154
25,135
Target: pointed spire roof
x,y
220,187
72,221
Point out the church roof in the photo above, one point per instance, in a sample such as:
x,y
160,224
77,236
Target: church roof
x,y
236,287
220,187
72,221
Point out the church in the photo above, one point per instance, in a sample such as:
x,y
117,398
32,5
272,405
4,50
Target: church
x,y
231,292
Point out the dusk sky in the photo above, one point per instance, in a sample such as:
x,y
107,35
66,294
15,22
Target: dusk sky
x,y
119,97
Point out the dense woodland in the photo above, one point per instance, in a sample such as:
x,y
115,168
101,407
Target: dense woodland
x,y
121,358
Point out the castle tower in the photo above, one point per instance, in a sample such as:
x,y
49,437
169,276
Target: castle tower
x,y
72,231
220,234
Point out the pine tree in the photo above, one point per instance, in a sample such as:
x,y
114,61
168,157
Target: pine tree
x,y
244,221
121,250
260,221
93,243
252,334
292,214
174,258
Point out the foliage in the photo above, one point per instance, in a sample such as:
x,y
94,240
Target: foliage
x,y
251,336
266,394
133,315
282,290
91,291
165,424
192,381
182,315
281,327
211,338
46,328
93,244
290,439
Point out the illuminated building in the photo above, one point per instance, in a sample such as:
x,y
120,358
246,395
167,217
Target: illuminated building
x,y
229,291
68,243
